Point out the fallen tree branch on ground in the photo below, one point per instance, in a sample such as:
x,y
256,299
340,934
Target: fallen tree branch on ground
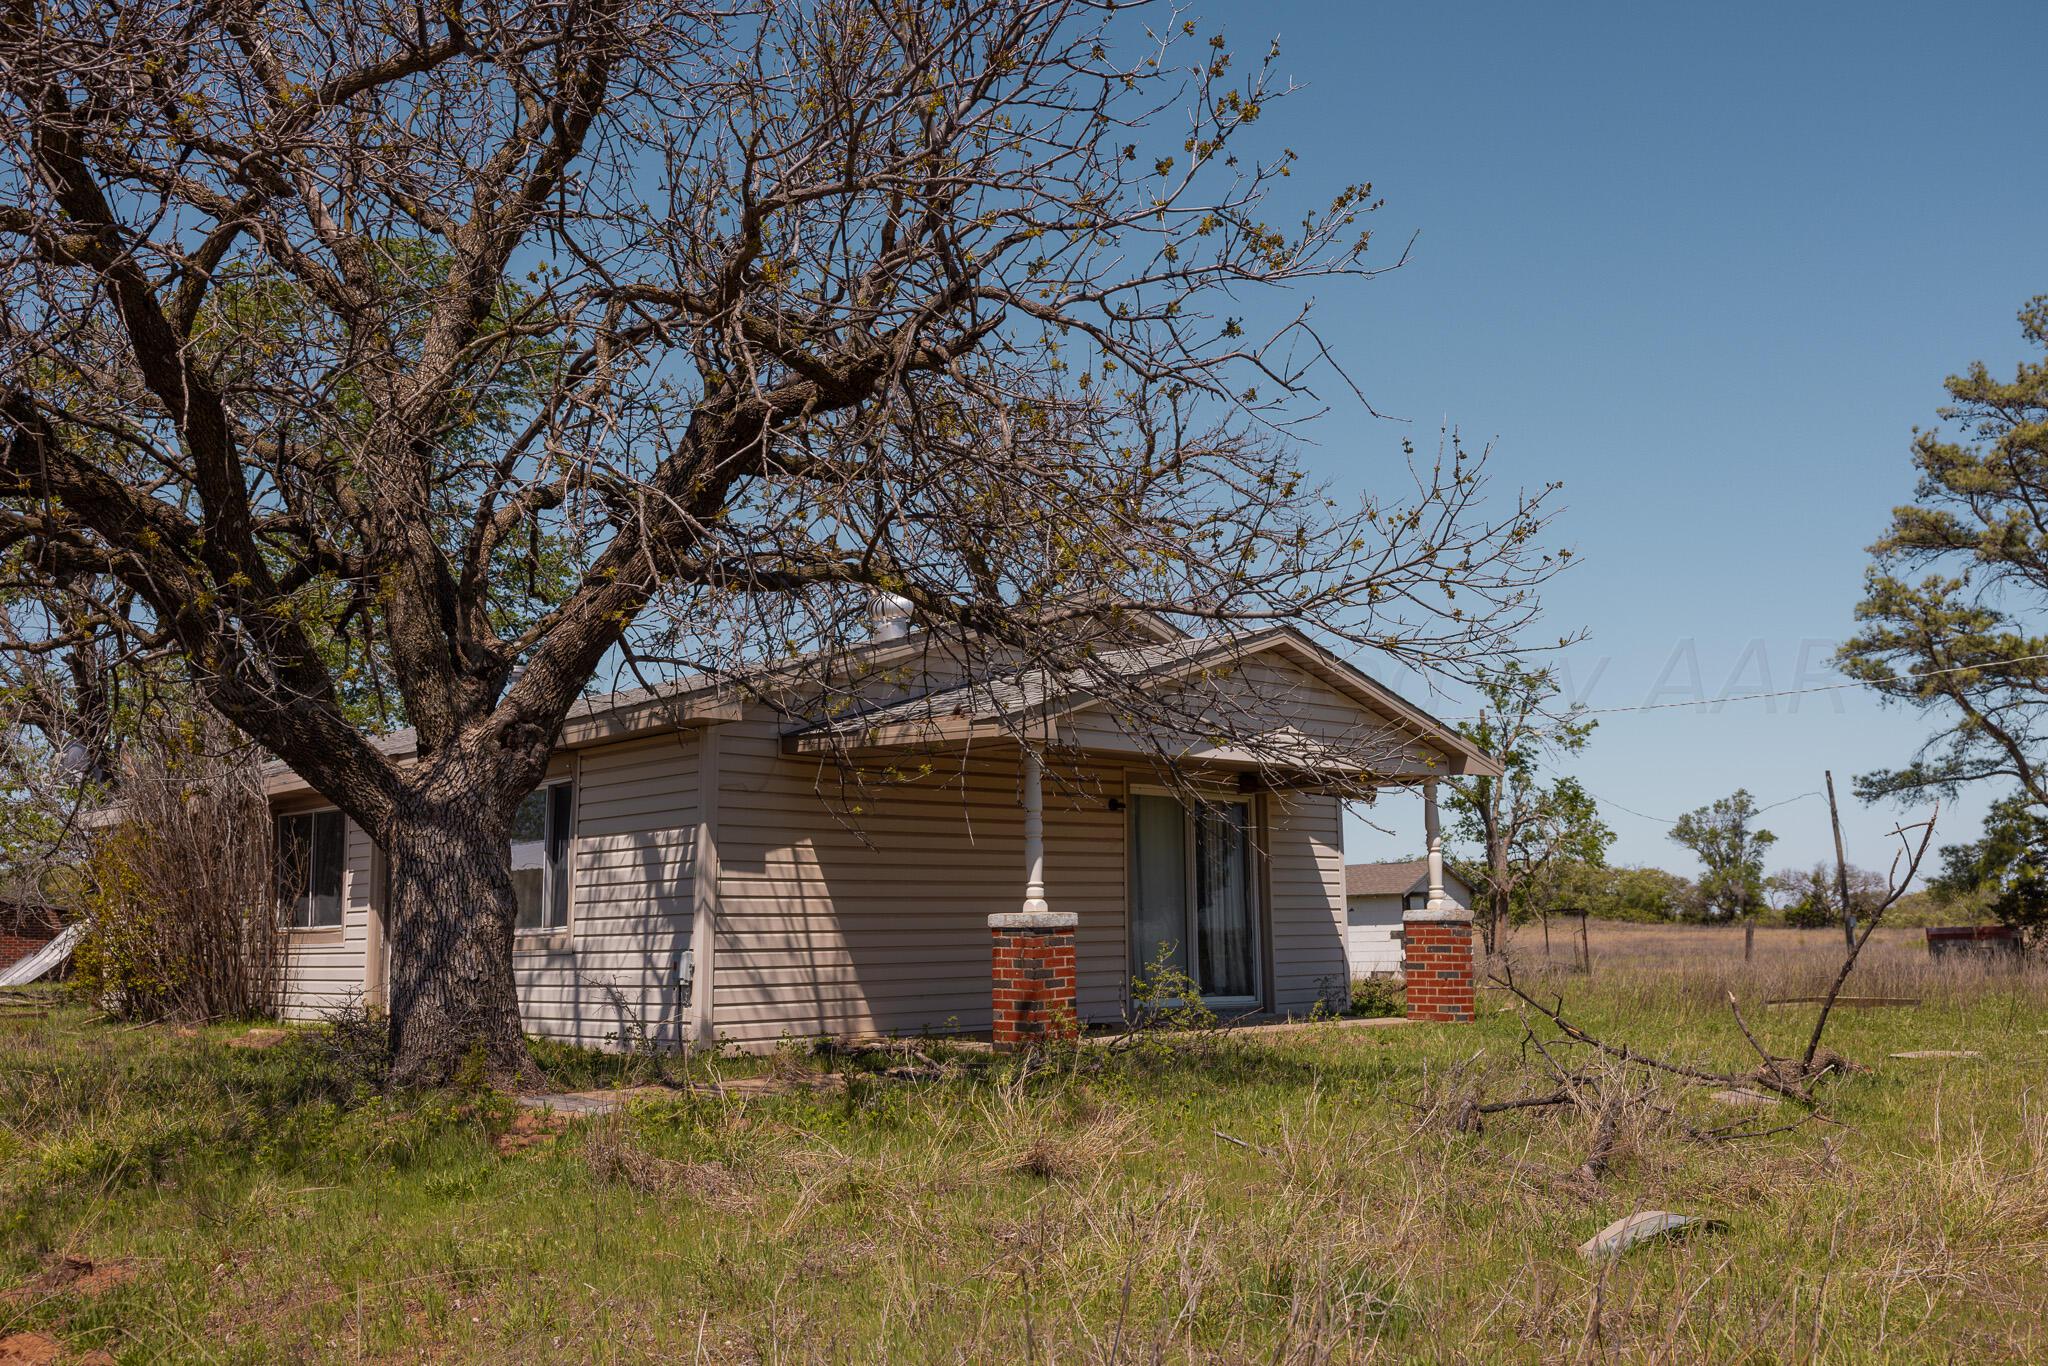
x,y
1606,1096
1767,1076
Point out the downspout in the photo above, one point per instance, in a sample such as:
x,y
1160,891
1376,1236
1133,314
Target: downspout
x,y
376,967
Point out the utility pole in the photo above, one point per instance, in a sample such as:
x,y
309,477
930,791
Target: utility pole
x,y
1748,906
1841,866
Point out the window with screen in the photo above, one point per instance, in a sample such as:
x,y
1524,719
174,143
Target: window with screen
x,y
311,848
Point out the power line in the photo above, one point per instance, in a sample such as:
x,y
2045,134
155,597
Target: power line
x,y
1818,687
1663,820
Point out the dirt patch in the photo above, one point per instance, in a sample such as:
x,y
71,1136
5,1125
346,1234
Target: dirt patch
x,y
68,1275
530,1128
29,1349
35,1349
260,1038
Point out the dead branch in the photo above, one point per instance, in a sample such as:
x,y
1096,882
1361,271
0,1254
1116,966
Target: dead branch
x,y
1743,1025
1895,888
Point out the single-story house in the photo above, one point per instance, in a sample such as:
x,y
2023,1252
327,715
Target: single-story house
x,y
711,862
1377,898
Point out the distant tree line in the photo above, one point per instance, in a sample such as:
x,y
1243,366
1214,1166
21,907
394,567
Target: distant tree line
x,y
1801,898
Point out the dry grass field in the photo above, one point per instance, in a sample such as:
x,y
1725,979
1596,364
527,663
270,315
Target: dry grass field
x,y
1302,1197
1709,959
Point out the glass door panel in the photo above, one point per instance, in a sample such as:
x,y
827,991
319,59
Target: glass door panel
x,y
1227,946
1191,894
1159,884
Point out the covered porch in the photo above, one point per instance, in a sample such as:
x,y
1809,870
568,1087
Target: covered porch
x,y
1228,844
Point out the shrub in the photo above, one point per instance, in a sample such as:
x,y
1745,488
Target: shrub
x,y
1164,996
1811,915
179,893
1378,997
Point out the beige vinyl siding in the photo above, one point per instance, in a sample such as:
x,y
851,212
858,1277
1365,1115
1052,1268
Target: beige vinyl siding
x,y
884,929
614,976
323,971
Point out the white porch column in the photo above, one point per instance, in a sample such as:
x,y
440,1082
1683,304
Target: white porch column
x,y
1432,826
1032,971
1034,834
1438,905
1436,938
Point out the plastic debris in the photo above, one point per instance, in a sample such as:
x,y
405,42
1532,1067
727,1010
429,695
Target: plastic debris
x,y
1623,1234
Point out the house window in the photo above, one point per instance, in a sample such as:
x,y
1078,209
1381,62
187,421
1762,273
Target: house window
x,y
310,851
1191,893
540,858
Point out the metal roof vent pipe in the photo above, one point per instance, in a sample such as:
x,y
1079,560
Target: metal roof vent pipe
x,y
889,617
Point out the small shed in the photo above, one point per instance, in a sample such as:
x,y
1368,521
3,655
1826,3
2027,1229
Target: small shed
x,y
1943,940
1375,896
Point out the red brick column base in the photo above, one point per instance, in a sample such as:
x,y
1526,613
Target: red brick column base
x,y
1438,966
1033,978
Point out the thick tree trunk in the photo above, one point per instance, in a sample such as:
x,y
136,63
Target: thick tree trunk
x,y
454,1004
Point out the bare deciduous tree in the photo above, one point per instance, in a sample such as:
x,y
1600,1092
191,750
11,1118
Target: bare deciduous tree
x,y
457,352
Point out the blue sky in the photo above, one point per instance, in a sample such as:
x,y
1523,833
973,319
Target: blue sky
x,y
1709,267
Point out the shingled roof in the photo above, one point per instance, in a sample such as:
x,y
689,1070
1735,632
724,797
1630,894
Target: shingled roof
x,y
1394,878
991,706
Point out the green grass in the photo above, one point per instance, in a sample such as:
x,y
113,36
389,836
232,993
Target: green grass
x,y
270,1210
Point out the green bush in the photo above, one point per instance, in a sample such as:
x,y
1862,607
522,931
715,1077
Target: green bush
x,y
1164,996
1378,997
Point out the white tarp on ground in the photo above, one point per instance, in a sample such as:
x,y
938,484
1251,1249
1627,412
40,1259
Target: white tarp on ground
x,y
46,959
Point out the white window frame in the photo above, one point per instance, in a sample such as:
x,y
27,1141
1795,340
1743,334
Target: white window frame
x,y
555,919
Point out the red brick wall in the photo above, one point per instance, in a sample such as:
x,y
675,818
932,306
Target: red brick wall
x,y
1438,969
1034,986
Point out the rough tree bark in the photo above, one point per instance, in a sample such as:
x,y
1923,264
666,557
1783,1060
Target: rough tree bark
x,y
451,917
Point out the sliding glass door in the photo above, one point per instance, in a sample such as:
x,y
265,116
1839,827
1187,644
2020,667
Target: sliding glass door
x,y
1191,893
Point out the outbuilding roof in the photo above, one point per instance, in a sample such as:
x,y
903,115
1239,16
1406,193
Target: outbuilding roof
x,y
1395,878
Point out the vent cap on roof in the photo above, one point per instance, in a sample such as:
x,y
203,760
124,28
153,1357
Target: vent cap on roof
x,y
889,617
